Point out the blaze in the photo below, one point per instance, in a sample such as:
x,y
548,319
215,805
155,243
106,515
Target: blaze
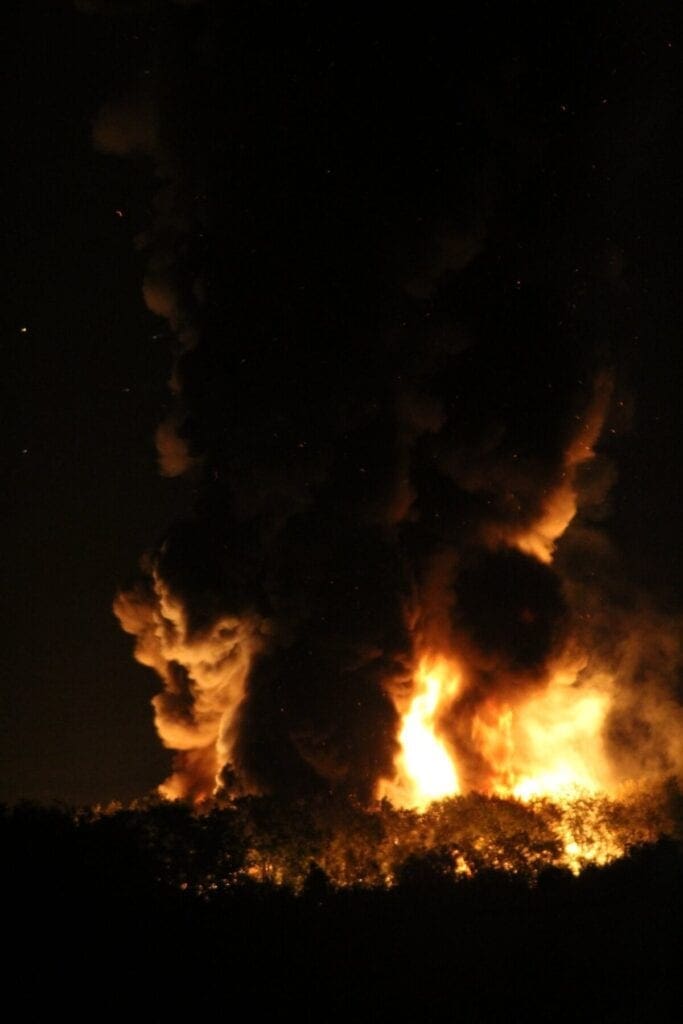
x,y
550,745
425,767
498,733
546,745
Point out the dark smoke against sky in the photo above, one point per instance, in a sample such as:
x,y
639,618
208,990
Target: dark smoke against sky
x,y
398,269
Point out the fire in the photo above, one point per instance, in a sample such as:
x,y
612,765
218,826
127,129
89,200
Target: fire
x,y
544,751
547,745
426,757
426,770
560,740
504,735
550,744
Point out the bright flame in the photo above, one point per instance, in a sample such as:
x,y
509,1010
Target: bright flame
x,y
425,756
544,744
562,734
425,768
544,749
548,745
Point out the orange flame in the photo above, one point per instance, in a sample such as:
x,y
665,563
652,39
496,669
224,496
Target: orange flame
x,y
546,745
540,744
551,744
425,768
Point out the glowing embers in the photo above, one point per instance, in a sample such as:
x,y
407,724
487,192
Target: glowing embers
x,y
425,768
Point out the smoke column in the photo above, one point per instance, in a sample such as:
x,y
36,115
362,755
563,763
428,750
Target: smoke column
x,y
399,321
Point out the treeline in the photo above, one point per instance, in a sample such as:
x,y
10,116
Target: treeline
x,y
185,912
284,843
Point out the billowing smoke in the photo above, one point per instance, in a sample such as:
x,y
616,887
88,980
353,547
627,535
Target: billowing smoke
x,y
397,360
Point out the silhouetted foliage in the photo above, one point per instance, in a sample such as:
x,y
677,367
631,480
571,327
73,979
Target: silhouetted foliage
x,y
149,895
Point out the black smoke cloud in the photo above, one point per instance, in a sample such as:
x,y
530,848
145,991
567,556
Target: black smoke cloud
x,y
374,242
510,605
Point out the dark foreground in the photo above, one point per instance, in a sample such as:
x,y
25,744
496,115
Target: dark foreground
x,y
96,931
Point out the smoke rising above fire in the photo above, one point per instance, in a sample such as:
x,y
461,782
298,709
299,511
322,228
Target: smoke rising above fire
x,y
392,387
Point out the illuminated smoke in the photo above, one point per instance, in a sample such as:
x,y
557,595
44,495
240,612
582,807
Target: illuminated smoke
x,y
204,669
391,398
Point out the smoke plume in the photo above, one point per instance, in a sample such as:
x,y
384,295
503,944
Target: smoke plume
x,y
398,366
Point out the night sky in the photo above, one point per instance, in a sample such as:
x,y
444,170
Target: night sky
x,y
81,393
518,188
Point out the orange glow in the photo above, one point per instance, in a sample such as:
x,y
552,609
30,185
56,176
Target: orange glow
x,y
546,745
551,744
562,501
204,675
559,510
545,751
526,740
425,769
